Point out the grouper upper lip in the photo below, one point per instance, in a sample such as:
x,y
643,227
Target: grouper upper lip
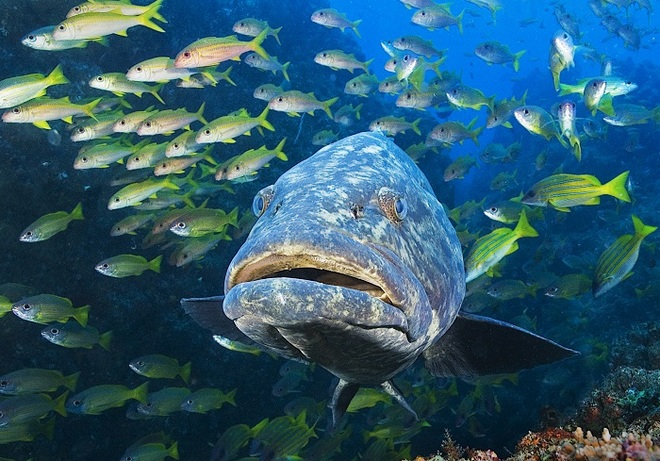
x,y
346,263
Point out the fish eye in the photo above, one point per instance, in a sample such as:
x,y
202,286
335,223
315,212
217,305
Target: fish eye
x,y
139,363
531,193
565,36
148,124
442,130
29,233
81,130
26,307
408,95
526,111
181,225
495,118
186,54
553,289
122,122
105,265
320,13
423,13
62,27
32,38
138,69
207,132
324,55
76,8
175,145
262,200
4,383
99,78
493,209
16,110
54,331
242,24
237,167
76,403
280,99
137,159
406,58
117,200
190,401
393,205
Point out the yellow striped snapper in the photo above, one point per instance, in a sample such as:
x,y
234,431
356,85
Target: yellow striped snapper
x,y
95,400
161,69
253,27
127,265
168,121
129,123
184,144
271,64
72,336
124,7
102,155
203,221
20,89
417,45
46,308
206,78
42,39
507,289
226,128
490,249
100,127
21,409
35,380
294,102
94,24
267,91
392,126
178,165
50,224
42,110
562,191
211,51
136,193
118,84
361,85
618,260
147,157
337,60
329,17
151,450
131,223
247,163
566,117
438,17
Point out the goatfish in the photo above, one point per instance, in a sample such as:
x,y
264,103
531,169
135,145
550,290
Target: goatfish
x,y
42,39
455,132
40,111
361,85
17,90
562,191
490,249
267,91
160,366
50,224
253,27
96,24
102,155
211,51
119,85
127,265
129,123
113,6
294,102
417,45
329,17
161,69
618,260
226,128
47,308
247,163
97,399
73,335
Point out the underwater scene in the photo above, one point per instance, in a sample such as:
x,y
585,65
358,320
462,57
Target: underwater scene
x,y
329,230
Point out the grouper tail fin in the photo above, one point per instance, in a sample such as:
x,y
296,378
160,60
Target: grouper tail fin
x,y
502,348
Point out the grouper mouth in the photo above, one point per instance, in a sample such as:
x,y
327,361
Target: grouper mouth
x,y
272,292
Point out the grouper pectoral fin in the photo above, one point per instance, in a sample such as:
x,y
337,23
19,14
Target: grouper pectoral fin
x,y
476,346
345,391
208,313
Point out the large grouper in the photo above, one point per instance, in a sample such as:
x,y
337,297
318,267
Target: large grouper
x,y
354,265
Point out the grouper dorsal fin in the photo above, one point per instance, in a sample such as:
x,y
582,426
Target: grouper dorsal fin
x,y
476,346
345,391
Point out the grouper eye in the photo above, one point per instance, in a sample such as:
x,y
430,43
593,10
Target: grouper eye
x,y
393,205
262,200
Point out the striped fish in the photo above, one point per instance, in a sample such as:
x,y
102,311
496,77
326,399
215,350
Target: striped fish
x,y
617,261
492,248
562,191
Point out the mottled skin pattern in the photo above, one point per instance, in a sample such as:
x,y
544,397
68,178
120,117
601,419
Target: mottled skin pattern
x,y
325,214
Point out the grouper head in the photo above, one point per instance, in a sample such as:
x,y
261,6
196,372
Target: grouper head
x,y
352,263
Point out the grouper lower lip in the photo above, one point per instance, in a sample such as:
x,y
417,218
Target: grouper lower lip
x,y
333,275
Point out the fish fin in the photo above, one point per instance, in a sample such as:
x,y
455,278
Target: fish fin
x,y
275,33
502,348
57,77
43,124
605,105
262,120
513,249
415,126
200,114
391,390
208,314
59,403
122,33
341,398
81,315
154,92
327,104
354,26
77,213
156,16
185,372
459,22
561,208
225,75
523,228
154,264
255,44
152,13
71,381
516,60
285,66
641,229
173,450
105,339
617,187
141,393
507,124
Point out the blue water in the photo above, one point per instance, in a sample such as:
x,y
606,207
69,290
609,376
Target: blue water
x,y
144,312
